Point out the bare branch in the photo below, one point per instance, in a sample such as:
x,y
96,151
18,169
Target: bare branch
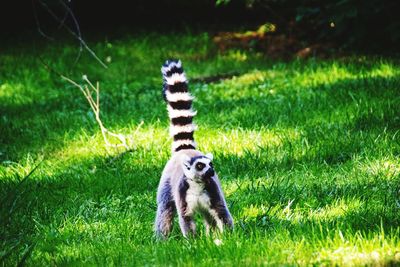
x,y
78,30
88,89
77,36
35,15
48,67
95,106
98,95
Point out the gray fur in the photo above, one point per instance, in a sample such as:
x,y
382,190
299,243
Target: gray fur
x,y
165,210
181,185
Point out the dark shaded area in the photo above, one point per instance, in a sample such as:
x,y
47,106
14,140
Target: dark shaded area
x,y
368,26
113,17
352,24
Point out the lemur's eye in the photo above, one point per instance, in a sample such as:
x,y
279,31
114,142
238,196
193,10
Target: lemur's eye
x,y
200,166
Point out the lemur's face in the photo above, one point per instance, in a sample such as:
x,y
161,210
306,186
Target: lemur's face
x,y
198,168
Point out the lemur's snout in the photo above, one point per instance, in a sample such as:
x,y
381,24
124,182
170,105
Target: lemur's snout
x,y
209,173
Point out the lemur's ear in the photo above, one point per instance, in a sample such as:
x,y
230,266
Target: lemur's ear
x,y
209,156
185,160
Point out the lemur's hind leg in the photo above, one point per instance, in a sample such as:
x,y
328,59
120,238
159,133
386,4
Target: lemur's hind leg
x,y
165,211
223,218
188,226
186,222
209,223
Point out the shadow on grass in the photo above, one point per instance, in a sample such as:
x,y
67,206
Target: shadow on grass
x,y
305,185
120,189
370,99
363,104
115,188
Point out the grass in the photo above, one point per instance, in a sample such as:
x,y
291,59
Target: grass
x,y
307,151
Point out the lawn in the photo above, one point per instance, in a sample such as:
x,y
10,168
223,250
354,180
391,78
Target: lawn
x,y
307,152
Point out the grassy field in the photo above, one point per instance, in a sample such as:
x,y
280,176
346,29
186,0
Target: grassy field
x,y
307,152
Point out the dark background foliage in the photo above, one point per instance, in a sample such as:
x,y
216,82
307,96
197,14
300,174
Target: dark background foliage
x,y
357,24
368,25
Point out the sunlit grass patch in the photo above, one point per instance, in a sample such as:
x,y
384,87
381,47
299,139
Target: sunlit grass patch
x,y
147,137
358,250
385,70
14,94
386,168
240,141
335,210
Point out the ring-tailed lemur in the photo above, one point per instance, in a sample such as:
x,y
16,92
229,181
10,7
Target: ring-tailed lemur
x,y
188,183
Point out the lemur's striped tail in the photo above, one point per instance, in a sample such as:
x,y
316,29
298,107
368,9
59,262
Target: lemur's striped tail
x,y
179,105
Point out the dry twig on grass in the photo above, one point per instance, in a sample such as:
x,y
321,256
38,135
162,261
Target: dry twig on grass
x,y
87,90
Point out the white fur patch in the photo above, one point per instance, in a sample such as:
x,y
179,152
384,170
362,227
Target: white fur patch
x,y
175,78
196,198
178,143
175,129
174,113
210,156
173,97
165,69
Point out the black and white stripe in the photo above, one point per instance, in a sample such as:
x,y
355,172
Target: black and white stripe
x,y
179,105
